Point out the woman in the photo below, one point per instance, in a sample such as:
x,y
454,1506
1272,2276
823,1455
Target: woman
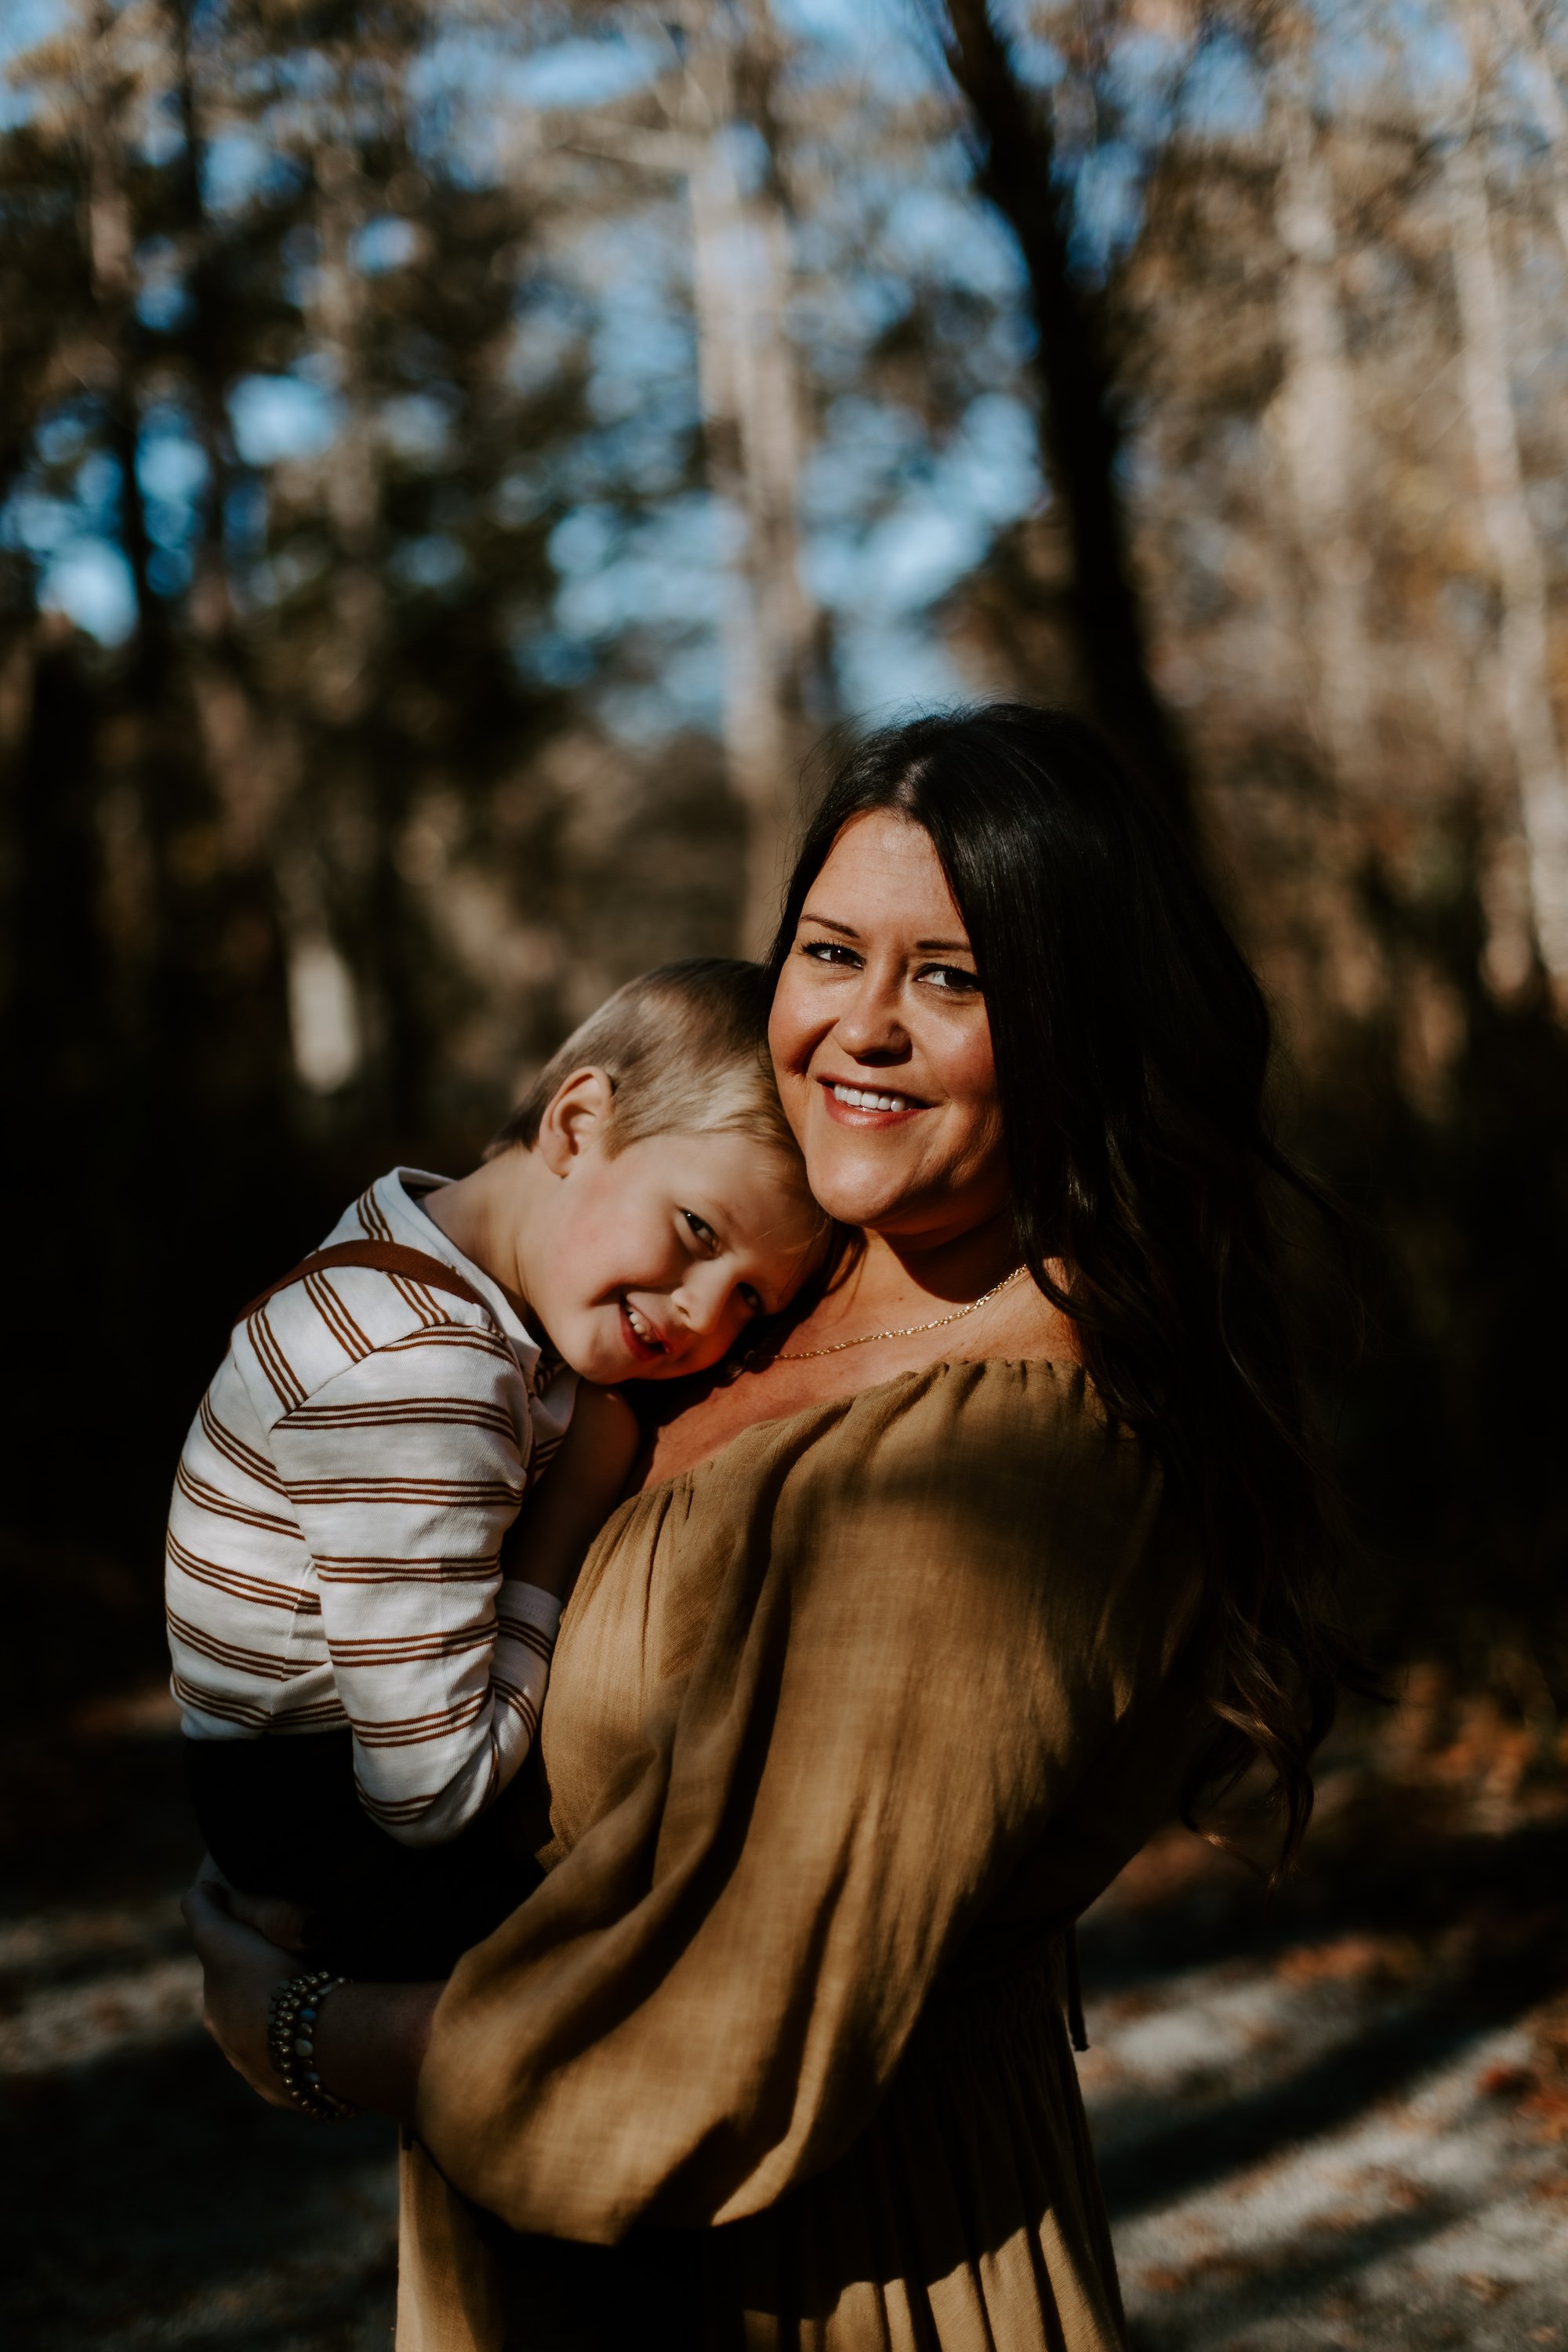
x,y
911,1634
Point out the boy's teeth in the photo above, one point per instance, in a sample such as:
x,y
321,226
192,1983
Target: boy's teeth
x,y
638,1326
858,1098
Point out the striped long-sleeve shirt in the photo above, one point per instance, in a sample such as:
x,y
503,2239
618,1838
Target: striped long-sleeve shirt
x,y
333,1552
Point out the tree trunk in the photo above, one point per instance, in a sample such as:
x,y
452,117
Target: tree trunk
x,y
252,763
1523,645
325,993
242,770
1522,34
741,269
110,243
1315,416
1082,432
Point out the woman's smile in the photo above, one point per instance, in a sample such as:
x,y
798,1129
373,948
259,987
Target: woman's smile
x,y
852,1104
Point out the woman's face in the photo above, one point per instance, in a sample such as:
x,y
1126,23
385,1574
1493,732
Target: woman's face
x,y
882,1044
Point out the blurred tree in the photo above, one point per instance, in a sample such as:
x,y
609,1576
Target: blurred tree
x,y
449,457
223,932
1524,658
741,280
1326,577
1082,428
722,139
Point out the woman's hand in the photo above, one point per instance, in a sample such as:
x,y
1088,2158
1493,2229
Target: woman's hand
x,y
241,1970
370,2038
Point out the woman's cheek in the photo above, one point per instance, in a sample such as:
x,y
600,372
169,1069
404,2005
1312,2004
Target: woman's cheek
x,y
790,1046
783,1021
980,1061
963,1059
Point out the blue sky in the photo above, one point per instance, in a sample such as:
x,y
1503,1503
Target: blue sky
x,y
892,518
895,512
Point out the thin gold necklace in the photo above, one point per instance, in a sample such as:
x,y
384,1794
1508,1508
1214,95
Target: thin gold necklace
x,y
908,1330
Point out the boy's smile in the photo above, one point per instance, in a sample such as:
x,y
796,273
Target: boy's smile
x,y
641,1337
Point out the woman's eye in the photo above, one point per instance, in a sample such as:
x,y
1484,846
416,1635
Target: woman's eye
x,y
702,1228
953,978
828,951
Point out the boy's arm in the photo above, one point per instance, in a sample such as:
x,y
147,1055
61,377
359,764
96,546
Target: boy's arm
x,y
405,1473
561,1516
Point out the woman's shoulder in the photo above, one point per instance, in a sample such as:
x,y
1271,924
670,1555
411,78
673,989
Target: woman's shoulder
x,y
1011,1369
1034,1426
958,1420
981,1399
997,1489
1001,1494
987,1501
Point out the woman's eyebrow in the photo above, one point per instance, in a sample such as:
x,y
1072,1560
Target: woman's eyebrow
x,y
922,947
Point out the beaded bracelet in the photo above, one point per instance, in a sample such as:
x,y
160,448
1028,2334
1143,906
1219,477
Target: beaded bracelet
x,y
292,2042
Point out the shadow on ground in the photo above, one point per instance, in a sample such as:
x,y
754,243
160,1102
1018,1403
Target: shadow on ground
x,y
1337,2120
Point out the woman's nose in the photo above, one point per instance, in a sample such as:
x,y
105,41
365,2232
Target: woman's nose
x,y
869,1026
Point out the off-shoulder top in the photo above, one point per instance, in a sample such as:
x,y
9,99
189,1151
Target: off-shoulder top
x,y
846,1726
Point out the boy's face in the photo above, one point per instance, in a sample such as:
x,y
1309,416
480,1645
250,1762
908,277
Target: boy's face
x,y
659,1257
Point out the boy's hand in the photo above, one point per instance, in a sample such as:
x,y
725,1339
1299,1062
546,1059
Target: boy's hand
x,y
282,1922
285,1924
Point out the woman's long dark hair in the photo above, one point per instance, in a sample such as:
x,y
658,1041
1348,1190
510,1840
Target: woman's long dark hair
x,y
1132,1047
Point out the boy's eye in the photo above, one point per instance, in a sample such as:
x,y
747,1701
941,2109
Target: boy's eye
x,y
751,1299
702,1228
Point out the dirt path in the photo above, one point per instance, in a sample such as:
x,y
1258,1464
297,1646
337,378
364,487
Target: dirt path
x,y
1344,2144
1342,2122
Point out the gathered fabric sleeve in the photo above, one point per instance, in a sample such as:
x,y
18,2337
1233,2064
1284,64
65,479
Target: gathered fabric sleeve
x,y
882,1684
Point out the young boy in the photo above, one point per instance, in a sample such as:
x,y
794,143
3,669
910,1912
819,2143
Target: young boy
x,y
360,1675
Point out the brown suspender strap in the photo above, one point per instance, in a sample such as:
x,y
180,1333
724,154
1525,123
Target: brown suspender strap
x,y
381,1258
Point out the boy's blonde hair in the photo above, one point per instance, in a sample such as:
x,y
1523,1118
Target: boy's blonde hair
x,y
686,1049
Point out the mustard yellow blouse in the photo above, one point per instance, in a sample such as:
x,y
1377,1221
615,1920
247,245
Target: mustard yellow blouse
x,y
845,1727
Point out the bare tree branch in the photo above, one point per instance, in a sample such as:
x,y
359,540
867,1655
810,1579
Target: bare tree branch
x,y
1081,431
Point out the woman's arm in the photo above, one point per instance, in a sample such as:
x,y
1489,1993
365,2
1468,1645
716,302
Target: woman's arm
x,y
370,2038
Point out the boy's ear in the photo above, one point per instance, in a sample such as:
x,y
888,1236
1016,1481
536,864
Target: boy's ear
x,y
576,1116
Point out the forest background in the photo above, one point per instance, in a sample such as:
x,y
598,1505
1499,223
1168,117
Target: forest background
x,y
456,459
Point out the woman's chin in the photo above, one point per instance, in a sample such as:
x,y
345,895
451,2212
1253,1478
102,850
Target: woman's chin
x,y
861,1196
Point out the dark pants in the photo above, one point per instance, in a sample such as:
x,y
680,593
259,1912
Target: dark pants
x,y
281,1816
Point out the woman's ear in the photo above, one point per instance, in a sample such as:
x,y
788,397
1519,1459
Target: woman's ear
x,y
576,1116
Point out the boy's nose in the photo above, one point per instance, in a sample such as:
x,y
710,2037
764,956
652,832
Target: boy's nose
x,y
704,1299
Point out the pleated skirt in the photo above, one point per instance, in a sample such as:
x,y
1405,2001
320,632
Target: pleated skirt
x,y
966,2217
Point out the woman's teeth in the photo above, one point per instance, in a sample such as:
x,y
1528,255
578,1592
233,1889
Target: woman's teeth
x,y
858,1098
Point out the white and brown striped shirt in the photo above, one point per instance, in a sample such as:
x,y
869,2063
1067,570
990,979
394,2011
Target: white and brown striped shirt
x,y
334,1539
